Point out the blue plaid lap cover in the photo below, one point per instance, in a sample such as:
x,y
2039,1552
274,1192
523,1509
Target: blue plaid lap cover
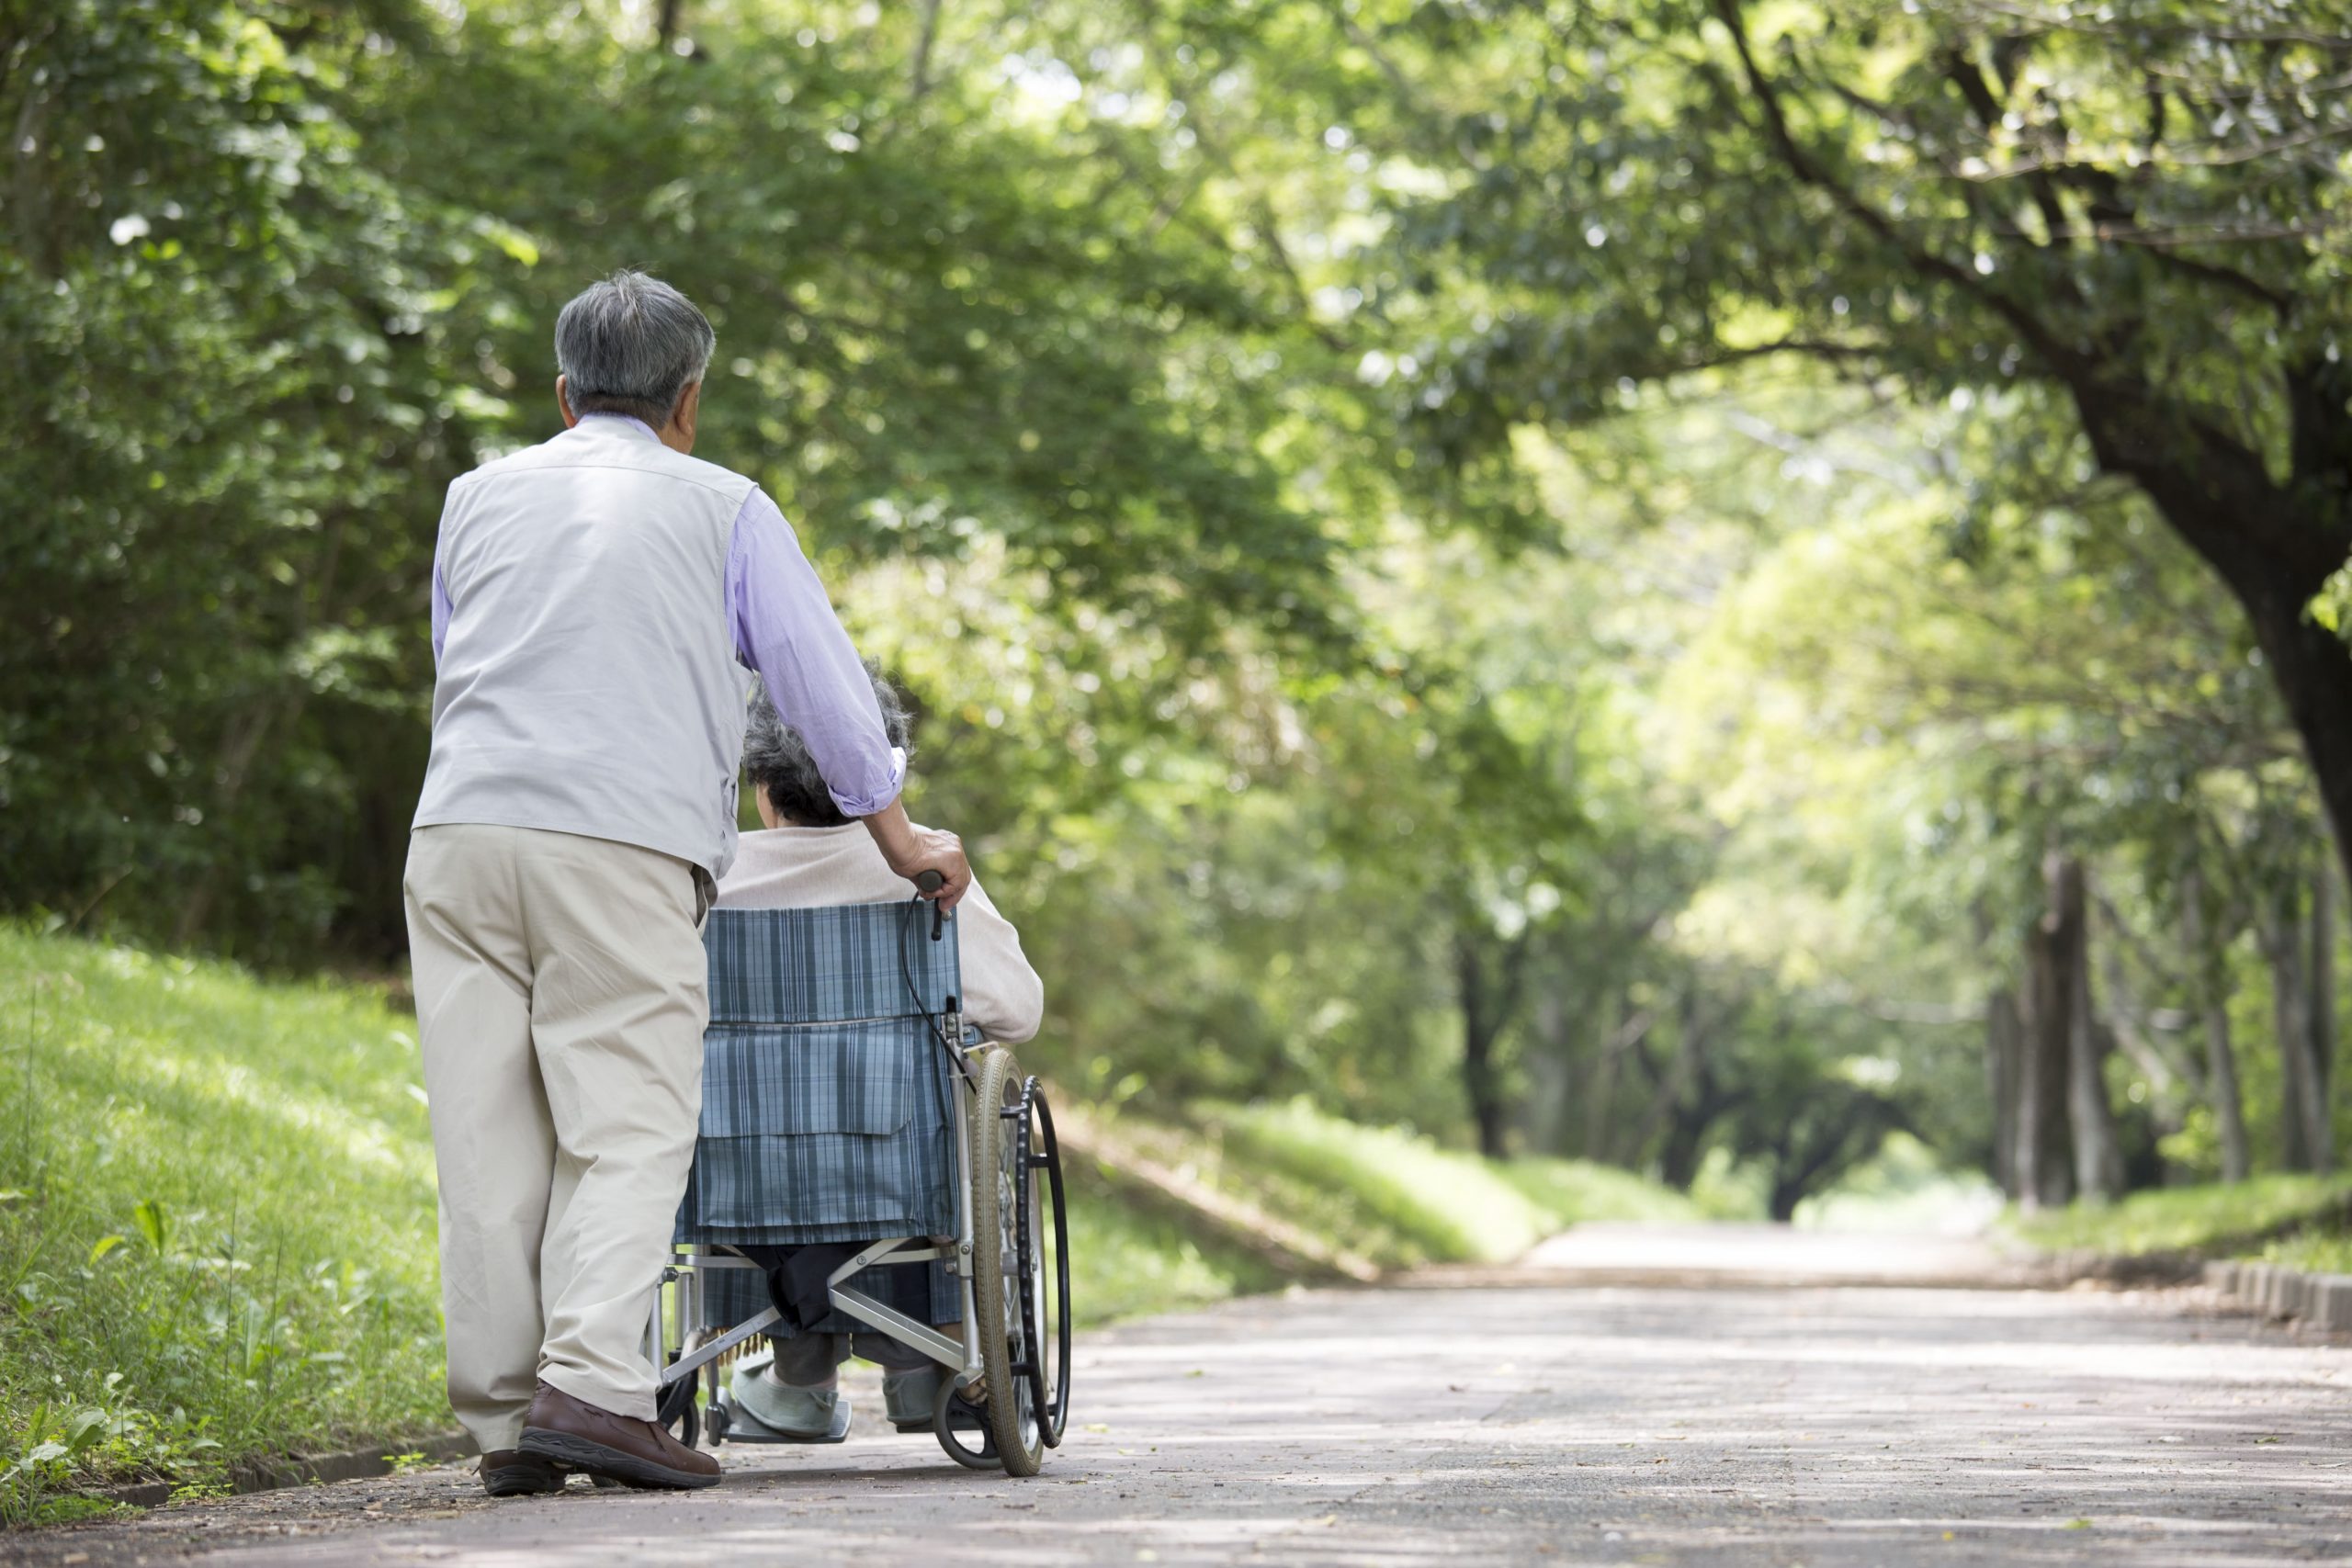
x,y
825,1110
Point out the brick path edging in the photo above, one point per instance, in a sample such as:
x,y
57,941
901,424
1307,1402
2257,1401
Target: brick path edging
x,y
2323,1300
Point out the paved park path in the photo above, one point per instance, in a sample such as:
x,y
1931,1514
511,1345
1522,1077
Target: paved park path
x,y
1630,1396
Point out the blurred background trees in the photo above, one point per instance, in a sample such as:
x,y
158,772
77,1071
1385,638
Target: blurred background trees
x,y
1684,583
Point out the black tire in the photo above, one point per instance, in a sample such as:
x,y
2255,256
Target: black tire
x,y
1046,1322
952,1414
999,1166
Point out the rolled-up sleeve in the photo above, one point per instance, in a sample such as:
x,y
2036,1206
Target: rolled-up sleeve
x,y
785,629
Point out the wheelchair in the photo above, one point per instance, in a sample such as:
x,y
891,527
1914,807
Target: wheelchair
x,y
850,1119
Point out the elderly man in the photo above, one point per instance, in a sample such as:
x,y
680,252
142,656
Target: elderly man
x,y
810,855
594,600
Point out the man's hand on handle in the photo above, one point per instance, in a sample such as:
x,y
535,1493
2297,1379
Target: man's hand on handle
x,y
912,851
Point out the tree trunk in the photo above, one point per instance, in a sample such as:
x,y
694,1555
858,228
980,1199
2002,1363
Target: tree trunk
x,y
1482,1021
2319,1133
2098,1158
2299,939
2004,1052
2313,669
1688,1103
1553,1061
2275,544
2221,1056
924,39
2284,936
2044,1147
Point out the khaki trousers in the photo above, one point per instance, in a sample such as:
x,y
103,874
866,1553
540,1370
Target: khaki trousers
x,y
560,999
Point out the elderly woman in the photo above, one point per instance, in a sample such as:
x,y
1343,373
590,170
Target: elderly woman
x,y
810,855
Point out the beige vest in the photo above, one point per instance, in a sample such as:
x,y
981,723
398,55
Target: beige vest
x,y
588,682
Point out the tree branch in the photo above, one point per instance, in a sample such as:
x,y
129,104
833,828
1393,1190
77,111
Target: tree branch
x,y
2067,363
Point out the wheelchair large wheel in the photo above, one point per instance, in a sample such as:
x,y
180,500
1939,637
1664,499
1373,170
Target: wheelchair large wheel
x,y
1000,1294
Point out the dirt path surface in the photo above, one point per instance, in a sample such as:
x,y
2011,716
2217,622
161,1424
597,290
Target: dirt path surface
x,y
1556,1422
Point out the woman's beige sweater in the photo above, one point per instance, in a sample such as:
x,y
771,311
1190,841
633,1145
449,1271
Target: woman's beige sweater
x,y
807,868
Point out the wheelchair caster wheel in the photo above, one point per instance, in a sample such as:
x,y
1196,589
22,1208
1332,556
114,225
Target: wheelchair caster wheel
x,y
950,1415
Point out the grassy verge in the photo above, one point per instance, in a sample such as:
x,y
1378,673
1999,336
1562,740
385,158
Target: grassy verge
x,y
1400,1200
2313,1252
2218,1220
216,1218
1126,1259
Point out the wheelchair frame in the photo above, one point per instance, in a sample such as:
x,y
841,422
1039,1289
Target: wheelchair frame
x,y
1022,1404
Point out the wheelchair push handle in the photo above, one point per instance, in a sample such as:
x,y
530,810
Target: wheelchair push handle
x,y
932,882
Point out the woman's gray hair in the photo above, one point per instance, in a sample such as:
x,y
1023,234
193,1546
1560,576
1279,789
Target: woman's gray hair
x,y
779,763
630,343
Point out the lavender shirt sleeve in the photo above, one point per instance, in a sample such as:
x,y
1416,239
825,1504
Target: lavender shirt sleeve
x,y
785,629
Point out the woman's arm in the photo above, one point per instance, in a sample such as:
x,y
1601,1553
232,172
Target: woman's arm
x,y
1003,997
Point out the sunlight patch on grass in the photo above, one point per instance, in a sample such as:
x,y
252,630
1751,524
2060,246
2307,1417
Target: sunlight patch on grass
x,y
1399,1199
1575,1191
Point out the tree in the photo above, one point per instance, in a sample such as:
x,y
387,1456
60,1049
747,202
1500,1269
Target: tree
x,y
2125,216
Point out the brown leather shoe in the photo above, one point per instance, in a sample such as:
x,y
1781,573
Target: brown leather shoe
x,y
572,1434
506,1473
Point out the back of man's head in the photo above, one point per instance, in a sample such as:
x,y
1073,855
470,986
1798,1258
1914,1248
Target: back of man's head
x,y
629,344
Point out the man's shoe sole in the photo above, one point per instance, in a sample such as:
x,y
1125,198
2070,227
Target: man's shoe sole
x,y
521,1481
596,1458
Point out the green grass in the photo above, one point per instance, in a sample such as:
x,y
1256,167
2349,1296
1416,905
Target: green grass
x,y
1399,1199
2215,1218
1575,1191
216,1218
1126,1259
2313,1252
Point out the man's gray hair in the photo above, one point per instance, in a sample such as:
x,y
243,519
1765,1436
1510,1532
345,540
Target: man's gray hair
x,y
779,763
630,343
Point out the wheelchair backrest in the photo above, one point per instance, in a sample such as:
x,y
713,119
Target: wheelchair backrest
x,y
850,963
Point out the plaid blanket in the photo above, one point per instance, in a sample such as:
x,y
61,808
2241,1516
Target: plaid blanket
x,y
825,1109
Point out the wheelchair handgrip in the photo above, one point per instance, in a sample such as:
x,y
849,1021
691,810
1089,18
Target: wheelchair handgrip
x,y
929,881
